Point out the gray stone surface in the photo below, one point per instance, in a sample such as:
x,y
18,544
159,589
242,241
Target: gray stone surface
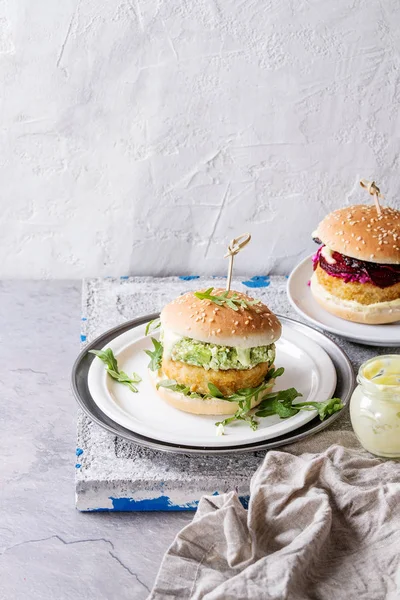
x,y
48,549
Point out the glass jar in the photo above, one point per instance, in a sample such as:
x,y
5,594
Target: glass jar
x,y
375,406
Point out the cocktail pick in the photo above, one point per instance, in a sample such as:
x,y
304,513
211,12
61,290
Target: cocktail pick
x,y
373,189
234,247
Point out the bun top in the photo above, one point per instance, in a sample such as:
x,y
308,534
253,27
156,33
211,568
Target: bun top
x,y
252,324
358,231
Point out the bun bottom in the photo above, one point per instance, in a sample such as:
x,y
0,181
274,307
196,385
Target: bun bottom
x,y
200,406
369,314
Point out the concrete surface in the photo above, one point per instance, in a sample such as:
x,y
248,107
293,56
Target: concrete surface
x,y
48,549
139,136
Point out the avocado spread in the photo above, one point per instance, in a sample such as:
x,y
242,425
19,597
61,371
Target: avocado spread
x,y
221,358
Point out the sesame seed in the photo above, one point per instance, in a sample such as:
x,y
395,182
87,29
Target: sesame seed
x,y
218,330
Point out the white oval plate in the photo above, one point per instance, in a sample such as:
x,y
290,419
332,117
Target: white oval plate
x,y
308,368
303,302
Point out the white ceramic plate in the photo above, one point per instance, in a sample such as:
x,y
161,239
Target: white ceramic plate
x,y
303,302
308,368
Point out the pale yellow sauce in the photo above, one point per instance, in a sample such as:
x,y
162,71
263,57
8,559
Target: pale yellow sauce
x,y
375,406
383,371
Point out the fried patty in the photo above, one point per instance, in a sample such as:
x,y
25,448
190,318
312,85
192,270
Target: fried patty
x,y
228,382
364,293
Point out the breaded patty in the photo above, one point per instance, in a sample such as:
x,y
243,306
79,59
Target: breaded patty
x,y
228,382
364,293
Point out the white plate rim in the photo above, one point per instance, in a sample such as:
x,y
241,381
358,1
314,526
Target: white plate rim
x,y
98,374
345,385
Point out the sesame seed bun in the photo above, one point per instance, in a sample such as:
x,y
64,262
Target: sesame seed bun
x,y
357,231
202,406
371,314
205,321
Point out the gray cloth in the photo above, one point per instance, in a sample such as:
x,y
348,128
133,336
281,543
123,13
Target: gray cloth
x,y
319,526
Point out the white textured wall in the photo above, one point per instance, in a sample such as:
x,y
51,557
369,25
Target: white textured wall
x,y
138,136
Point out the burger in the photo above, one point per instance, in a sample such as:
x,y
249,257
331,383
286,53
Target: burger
x,y
357,267
213,345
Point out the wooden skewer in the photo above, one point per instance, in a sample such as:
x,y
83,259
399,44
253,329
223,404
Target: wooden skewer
x,y
373,189
235,246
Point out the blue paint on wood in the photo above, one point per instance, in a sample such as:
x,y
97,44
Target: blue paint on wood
x,y
84,319
78,466
258,281
161,503
83,337
124,277
79,451
188,277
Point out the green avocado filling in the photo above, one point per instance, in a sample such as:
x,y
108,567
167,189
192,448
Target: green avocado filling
x,y
221,358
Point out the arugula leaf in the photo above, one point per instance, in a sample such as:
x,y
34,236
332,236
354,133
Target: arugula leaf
x,y
155,355
274,374
240,415
233,302
244,399
279,403
325,409
108,358
151,327
214,391
172,385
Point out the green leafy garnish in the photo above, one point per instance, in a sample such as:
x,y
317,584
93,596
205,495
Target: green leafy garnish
x,y
244,398
152,326
108,358
281,403
325,409
234,302
278,403
155,355
214,391
172,385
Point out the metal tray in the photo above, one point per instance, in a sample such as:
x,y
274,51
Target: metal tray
x,y
344,388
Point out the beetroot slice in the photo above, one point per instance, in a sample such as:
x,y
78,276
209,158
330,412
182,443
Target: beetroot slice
x,y
361,271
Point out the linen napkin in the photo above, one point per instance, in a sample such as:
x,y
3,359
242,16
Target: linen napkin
x,y
318,526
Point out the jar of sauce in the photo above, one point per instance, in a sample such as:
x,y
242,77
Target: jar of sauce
x,y
375,406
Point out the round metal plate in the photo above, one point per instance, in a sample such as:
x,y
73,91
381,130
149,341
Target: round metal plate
x,y
344,388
